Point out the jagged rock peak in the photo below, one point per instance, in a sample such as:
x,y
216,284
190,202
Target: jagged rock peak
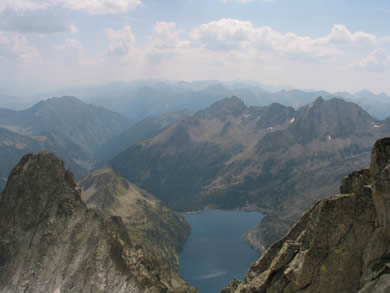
x,y
380,156
44,170
319,100
36,182
51,242
340,245
380,172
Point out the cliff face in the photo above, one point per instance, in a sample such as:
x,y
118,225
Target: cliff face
x,y
51,242
340,245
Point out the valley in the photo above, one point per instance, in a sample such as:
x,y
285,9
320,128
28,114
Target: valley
x,y
273,159
232,146
222,161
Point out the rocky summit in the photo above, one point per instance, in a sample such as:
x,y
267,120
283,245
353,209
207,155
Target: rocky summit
x,y
342,244
51,242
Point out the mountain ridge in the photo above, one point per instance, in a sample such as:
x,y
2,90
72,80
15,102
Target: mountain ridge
x,y
50,241
253,158
67,126
162,232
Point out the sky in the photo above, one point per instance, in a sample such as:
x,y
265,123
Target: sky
x,y
333,45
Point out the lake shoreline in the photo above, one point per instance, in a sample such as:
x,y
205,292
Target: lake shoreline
x,y
217,249
250,235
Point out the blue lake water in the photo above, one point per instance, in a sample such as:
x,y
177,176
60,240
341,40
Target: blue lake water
x,y
215,253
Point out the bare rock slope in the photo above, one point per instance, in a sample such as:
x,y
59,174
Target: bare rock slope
x,y
340,245
51,242
157,230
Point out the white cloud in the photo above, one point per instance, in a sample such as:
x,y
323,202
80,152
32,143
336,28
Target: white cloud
x,y
165,41
224,34
376,61
120,41
166,36
386,38
225,49
101,6
90,6
25,4
232,34
341,35
15,46
36,21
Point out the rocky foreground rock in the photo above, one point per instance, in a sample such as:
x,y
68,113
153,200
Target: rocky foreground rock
x,y
51,242
157,230
341,245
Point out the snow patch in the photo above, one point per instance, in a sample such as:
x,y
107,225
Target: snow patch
x,y
269,128
377,126
292,120
329,137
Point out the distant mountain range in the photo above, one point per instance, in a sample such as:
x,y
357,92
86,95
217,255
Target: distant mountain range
x,y
67,126
139,99
275,158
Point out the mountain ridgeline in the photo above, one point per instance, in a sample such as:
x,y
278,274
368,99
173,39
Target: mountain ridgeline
x,y
274,159
115,231
148,127
158,231
340,245
140,99
66,126
51,242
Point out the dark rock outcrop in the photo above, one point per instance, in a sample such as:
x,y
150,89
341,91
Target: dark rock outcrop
x,y
51,242
340,245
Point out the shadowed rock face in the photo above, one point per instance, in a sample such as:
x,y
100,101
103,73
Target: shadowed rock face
x,y
340,245
51,242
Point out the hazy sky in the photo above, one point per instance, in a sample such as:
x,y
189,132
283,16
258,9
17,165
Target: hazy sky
x,y
331,45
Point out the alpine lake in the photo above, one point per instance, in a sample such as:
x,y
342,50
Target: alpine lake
x,y
216,252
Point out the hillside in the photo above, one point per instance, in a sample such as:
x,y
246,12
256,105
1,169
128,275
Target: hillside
x,y
153,227
189,155
85,125
67,126
142,130
51,242
339,245
274,159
